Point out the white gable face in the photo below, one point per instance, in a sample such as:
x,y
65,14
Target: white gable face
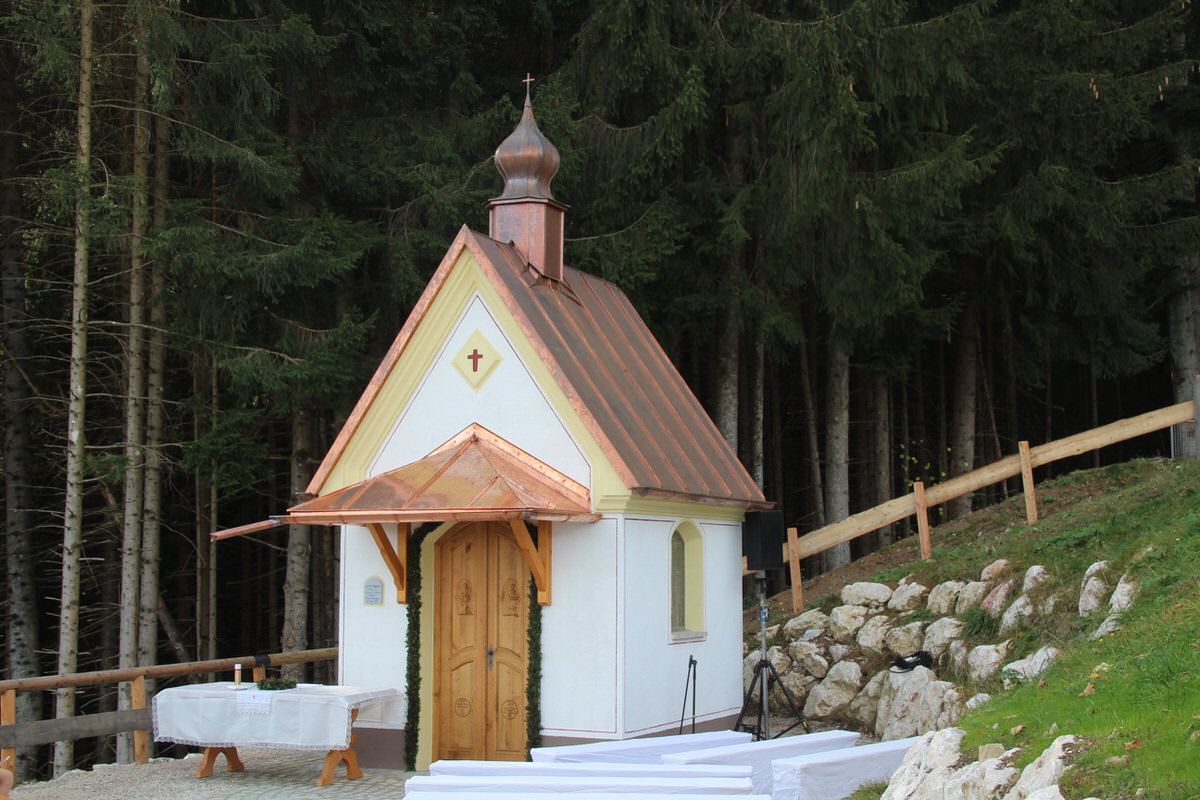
x,y
478,376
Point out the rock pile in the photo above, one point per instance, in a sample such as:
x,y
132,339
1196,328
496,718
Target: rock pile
x,y
836,663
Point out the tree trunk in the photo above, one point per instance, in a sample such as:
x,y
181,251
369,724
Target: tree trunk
x,y
151,610
21,621
68,620
966,392
205,392
727,365
1183,315
297,574
135,388
837,444
757,465
812,430
881,430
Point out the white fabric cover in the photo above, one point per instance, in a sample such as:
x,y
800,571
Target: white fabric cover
x,y
309,717
834,775
582,770
637,751
759,755
427,795
541,784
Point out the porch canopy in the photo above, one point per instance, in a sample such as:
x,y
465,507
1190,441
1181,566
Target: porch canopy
x,y
475,476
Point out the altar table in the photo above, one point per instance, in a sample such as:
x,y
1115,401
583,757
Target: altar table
x,y
220,718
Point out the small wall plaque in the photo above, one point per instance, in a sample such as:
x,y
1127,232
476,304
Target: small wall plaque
x,y
373,592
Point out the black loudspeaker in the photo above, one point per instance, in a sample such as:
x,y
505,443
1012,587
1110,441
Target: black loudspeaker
x,y
762,540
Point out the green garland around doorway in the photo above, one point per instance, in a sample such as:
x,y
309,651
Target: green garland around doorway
x,y
412,580
533,685
533,678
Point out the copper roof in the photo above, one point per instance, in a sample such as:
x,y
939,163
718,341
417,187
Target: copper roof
x,y
475,475
642,414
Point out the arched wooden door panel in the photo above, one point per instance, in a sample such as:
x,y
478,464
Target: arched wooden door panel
x,y
480,643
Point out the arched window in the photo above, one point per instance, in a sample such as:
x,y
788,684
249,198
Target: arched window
x,y
687,582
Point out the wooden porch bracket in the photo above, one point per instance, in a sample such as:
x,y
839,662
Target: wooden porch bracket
x,y
395,557
537,555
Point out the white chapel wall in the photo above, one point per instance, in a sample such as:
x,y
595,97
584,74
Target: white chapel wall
x,y
656,667
509,403
580,675
372,647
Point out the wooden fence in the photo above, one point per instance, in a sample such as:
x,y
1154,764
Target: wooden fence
x,y
138,719
921,498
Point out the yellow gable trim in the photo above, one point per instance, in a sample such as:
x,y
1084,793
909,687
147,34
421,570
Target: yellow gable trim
x,y
466,279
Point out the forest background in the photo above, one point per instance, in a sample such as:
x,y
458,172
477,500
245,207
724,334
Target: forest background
x,y
883,241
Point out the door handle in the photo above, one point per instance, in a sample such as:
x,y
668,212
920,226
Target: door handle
x,y
491,657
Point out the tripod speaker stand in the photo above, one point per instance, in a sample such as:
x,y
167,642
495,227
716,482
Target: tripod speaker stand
x,y
765,679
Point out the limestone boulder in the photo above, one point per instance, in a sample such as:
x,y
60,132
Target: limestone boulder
x,y
997,599
1123,596
832,695
1044,771
864,708
1028,668
910,703
779,658
1016,614
1047,793
871,636
956,656
943,597
971,596
908,597
843,652
1097,568
939,634
1035,577
807,657
798,686
983,780
866,593
995,570
815,619
1092,595
844,621
976,700
984,661
934,753
1110,625
905,640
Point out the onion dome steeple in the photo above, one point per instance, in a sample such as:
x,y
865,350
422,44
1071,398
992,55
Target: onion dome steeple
x,y
526,213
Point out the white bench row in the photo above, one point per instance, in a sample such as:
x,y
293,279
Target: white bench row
x,y
817,766
427,795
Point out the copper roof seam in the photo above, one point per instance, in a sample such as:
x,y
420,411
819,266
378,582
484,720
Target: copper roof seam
x,y
450,461
586,414
536,486
647,377
486,486
389,362
573,372
527,460
714,443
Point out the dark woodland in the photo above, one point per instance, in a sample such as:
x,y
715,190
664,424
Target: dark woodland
x,y
883,241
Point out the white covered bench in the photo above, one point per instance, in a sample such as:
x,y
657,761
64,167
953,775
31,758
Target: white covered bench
x,y
760,755
637,751
834,775
586,769
423,795
452,787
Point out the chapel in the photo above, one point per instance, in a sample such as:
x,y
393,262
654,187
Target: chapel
x,y
541,526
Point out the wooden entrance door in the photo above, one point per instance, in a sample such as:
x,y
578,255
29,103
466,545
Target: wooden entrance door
x,y
480,644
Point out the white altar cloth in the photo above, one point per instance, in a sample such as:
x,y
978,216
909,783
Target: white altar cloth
x,y
759,755
451,786
637,751
836,774
583,770
309,717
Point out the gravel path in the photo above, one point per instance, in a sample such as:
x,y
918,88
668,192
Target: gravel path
x,y
269,775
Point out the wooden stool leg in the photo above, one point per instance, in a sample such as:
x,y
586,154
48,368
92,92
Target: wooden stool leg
x,y
232,761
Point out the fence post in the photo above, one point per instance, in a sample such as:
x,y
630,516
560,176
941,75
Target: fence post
x,y
793,550
923,520
141,739
1031,512
8,716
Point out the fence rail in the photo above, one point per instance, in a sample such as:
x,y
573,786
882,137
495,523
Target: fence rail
x,y
921,498
15,734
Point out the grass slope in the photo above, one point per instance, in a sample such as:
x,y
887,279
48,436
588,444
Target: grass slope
x,y
1134,696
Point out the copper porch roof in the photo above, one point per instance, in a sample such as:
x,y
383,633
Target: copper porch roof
x,y
642,414
475,475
